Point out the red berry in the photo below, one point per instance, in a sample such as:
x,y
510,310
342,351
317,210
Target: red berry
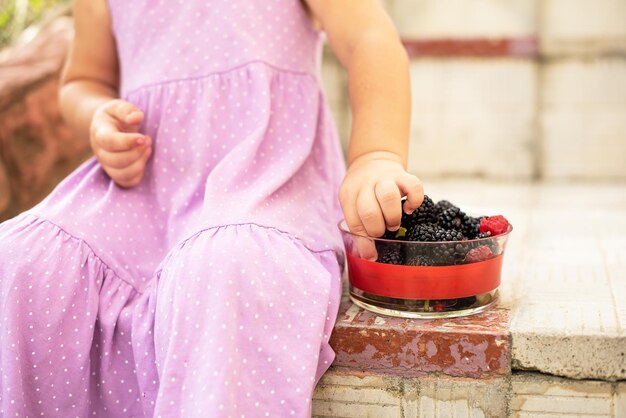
x,y
439,307
481,253
495,224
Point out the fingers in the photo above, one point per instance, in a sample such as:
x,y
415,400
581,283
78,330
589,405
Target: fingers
x,y
370,214
122,159
412,188
131,175
363,247
125,112
389,198
112,140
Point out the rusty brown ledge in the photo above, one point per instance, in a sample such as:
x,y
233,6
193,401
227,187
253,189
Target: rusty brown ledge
x,y
522,47
476,346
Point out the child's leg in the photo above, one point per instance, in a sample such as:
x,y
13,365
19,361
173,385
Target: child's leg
x,y
64,327
242,316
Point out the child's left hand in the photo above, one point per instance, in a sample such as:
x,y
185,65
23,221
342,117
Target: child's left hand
x,y
371,193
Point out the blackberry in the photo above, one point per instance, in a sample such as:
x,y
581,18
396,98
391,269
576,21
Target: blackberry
x,y
389,252
443,205
426,213
390,257
442,234
452,218
450,254
422,232
418,259
471,228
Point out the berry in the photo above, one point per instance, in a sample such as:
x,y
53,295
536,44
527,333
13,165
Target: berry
x,y
443,205
495,224
478,254
422,232
439,307
452,218
389,252
390,257
448,235
471,228
426,213
418,260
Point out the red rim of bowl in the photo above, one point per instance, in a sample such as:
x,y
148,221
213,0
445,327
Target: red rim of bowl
x,y
345,229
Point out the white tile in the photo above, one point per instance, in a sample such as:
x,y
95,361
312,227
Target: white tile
x,y
448,397
582,26
620,401
464,18
583,120
546,395
323,408
473,117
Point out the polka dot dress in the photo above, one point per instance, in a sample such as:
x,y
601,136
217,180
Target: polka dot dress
x,y
210,289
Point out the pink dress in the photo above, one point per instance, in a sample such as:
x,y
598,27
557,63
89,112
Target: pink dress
x,y
211,289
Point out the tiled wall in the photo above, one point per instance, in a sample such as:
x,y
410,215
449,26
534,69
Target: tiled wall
x,y
513,89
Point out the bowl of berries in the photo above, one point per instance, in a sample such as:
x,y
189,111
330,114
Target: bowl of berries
x,y
442,262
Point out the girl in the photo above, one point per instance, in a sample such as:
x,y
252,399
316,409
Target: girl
x,y
193,267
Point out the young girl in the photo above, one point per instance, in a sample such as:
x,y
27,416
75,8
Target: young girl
x,y
193,267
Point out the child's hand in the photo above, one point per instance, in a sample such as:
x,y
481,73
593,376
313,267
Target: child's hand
x,y
116,143
371,193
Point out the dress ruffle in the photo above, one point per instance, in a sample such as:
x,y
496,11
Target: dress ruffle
x,y
66,327
242,314
231,308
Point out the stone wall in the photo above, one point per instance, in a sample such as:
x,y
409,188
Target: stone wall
x,y
36,148
515,89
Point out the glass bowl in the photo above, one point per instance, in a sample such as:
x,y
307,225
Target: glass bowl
x,y
415,279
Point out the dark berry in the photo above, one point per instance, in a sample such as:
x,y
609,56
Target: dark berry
x,y
452,218
414,258
390,257
471,227
442,234
422,232
389,252
426,213
443,205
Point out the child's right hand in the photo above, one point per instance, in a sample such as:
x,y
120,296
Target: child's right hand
x,y
117,144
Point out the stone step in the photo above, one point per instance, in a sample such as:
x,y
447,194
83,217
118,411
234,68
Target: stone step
x,y
349,394
561,314
475,346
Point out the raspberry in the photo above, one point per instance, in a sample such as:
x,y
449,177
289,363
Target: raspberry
x,y
495,224
481,253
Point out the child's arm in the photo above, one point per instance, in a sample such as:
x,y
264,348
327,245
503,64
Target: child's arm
x,y
367,44
88,97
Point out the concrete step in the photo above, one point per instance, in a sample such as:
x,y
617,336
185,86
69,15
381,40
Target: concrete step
x,y
348,394
561,315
